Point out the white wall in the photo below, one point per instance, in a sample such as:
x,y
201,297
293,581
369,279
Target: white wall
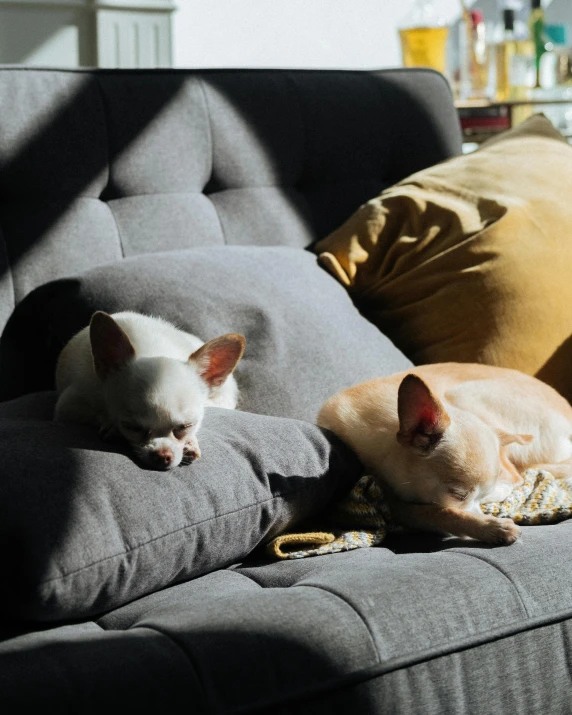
x,y
292,33
233,33
309,33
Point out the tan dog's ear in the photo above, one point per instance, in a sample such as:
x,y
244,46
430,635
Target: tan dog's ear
x,y
422,417
110,346
216,359
507,438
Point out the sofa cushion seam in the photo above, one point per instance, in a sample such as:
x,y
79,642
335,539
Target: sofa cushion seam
x,y
108,162
350,605
171,639
9,271
501,571
211,143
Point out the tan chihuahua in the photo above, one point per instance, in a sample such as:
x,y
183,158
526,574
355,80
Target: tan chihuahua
x,y
444,438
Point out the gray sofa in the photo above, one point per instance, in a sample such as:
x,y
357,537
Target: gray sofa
x,y
194,195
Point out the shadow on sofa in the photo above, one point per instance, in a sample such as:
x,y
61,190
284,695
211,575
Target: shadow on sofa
x,y
58,134
306,678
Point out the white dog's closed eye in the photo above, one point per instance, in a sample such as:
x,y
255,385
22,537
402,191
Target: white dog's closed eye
x,y
136,432
180,431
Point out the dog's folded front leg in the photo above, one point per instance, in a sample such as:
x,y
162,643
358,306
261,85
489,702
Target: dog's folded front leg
x,y
109,433
456,522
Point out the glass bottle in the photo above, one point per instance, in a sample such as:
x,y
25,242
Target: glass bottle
x,y
536,30
555,63
479,55
473,56
515,63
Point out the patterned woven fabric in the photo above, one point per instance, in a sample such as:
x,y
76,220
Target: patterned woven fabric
x,y
363,519
542,499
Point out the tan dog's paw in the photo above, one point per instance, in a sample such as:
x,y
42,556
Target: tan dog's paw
x,y
191,451
500,531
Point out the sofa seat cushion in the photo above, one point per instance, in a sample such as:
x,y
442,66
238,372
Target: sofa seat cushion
x,y
469,260
336,634
305,338
84,529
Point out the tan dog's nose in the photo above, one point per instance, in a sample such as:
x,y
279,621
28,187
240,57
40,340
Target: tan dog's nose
x,y
163,458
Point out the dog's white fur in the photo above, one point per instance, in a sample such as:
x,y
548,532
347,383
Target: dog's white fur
x,y
444,438
143,378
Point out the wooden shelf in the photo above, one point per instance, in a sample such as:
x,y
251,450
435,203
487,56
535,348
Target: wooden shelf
x,y
481,118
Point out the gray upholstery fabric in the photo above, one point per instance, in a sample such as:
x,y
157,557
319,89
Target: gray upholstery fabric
x,y
83,669
84,529
96,165
305,339
361,632
331,622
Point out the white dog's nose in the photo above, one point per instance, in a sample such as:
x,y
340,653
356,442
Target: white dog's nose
x,y
163,458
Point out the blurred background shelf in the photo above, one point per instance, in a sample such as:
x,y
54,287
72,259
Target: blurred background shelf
x,y
482,119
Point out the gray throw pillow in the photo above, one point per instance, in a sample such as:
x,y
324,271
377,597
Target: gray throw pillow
x,y
83,529
305,339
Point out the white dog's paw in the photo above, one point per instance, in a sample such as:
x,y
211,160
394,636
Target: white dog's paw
x,y
191,451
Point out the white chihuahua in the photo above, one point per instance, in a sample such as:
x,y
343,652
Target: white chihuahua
x,y
140,377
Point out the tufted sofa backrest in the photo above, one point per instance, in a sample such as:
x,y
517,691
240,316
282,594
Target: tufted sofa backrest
x,y
96,165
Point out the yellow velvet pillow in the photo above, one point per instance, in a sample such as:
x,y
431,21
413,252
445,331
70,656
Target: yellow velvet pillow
x,y
471,260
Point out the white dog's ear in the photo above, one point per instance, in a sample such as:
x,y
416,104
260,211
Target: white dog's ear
x,y
422,418
110,346
216,359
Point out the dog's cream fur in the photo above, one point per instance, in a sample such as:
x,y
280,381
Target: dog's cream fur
x,y
142,378
444,438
